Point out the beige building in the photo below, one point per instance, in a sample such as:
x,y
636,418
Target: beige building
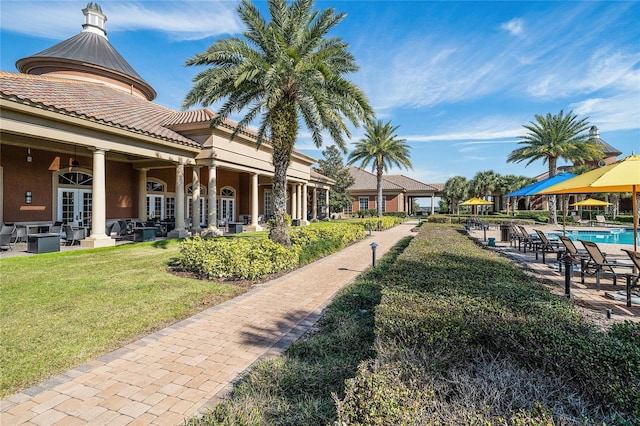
x,y
82,142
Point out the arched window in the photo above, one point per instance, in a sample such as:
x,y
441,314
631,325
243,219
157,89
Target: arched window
x,y
75,179
227,192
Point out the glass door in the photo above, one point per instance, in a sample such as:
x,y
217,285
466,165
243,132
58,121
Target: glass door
x,y
74,206
155,207
227,210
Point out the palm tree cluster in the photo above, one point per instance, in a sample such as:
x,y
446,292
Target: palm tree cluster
x,y
482,185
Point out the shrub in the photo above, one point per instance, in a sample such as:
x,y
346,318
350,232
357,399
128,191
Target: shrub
x,y
381,223
236,258
255,258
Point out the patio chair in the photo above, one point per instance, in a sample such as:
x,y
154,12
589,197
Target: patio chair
x,y
6,236
547,246
633,277
73,235
597,264
19,234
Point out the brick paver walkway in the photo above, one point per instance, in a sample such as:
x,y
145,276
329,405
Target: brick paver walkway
x,y
179,372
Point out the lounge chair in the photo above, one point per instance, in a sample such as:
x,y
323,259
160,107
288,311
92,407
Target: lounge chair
x,y
527,239
597,264
572,250
601,221
578,220
547,246
634,277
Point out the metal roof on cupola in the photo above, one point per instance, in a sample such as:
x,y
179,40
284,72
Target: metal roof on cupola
x,y
88,56
608,150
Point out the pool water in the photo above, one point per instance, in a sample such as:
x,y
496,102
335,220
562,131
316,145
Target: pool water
x,y
610,236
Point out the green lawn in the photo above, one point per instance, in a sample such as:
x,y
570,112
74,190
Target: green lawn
x,y
62,309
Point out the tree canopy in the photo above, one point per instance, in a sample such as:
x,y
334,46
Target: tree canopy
x,y
281,73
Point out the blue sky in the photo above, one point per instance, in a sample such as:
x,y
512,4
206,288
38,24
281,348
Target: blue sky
x,y
459,78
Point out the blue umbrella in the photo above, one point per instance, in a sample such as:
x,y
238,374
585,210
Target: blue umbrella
x,y
534,188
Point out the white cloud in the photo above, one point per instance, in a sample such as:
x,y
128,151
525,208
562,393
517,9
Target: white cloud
x,y
183,20
514,27
619,112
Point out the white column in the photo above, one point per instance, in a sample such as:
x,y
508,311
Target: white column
x,y
142,194
305,191
98,238
195,201
179,231
299,198
212,215
254,201
326,203
314,207
433,200
294,202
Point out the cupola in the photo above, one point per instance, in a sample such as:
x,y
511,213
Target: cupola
x,y
88,56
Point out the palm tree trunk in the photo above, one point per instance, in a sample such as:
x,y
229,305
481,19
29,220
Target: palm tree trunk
x,y
553,216
284,129
379,171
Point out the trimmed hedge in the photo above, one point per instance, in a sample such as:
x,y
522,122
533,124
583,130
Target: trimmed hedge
x,y
381,223
255,258
473,331
235,258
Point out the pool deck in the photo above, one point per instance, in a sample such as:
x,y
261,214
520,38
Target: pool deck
x,y
585,295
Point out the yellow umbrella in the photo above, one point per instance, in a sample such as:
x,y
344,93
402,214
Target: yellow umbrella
x,y
621,176
590,202
475,201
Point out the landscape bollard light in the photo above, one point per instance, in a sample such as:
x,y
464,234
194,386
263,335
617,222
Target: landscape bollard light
x,y
484,228
373,253
568,269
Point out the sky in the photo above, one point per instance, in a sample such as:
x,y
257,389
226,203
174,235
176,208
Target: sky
x,y
458,78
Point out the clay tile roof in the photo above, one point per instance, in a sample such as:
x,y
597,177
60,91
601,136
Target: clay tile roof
x,y
409,184
188,117
93,102
320,178
365,181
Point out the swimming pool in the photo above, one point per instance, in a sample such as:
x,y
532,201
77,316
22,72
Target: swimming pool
x,y
610,236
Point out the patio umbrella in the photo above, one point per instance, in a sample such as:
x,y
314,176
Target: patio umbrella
x,y
536,187
621,176
590,202
475,201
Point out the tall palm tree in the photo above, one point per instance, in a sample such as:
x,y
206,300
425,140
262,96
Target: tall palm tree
x,y
455,190
381,148
281,72
552,137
